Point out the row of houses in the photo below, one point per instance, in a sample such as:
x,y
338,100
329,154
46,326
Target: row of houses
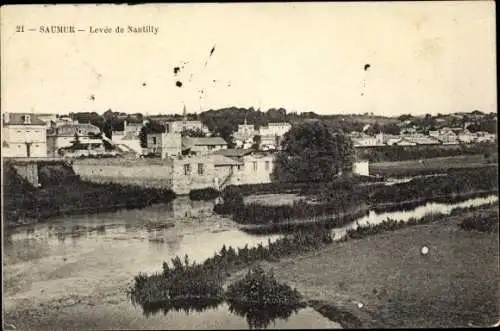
x,y
445,136
184,173
270,135
31,135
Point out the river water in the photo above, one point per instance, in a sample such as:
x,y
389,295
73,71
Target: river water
x,y
73,272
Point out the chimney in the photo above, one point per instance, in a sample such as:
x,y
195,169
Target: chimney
x,y
6,118
27,119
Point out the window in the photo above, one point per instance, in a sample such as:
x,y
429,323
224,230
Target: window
x,y
187,169
239,168
200,169
154,140
254,166
210,148
267,165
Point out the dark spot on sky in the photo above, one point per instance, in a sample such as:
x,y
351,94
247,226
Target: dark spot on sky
x,y
214,81
144,84
212,50
176,70
362,94
367,66
92,97
178,83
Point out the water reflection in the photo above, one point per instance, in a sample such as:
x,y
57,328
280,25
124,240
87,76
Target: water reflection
x,y
259,317
185,305
256,317
417,213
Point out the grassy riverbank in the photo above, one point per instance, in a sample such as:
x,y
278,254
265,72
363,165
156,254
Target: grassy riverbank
x,y
376,277
383,280
433,165
345,197
24,204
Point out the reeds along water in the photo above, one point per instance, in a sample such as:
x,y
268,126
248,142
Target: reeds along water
x,y
258,297
182,279
344,197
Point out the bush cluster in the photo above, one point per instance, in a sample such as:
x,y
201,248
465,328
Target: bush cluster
x,y
344,197
404,153
22,200
204,194
203,280
483,222
260,299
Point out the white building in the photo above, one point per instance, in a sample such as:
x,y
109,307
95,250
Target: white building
x,y
272,134
243,137
23,135
62,136
203,145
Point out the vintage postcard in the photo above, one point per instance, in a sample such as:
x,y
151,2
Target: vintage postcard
x,y
249,166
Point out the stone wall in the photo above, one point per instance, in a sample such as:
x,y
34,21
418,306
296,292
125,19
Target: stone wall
x,y
134,172
28,171
171,144
256,169
186,176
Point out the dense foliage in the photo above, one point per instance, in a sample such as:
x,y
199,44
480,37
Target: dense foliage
x,y
57,196
484,222
204,194
403,153
345,196
260,298
311,152
204,280
484,219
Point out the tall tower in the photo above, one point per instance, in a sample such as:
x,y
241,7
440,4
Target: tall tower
x,y
184,114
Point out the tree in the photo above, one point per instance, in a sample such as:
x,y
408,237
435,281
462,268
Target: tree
x,y
193,133
108,129
373,129
149,127
390,128
76,144
312,153
143,139
256,142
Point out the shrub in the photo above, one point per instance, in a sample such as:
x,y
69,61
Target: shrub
x,y
204,194
261,299
232,200
483,222
262,290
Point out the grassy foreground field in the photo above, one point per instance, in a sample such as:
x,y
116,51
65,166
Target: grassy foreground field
x,y
384,280
432,165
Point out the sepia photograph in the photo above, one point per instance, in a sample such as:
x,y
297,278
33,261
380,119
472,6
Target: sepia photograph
x,y
284,165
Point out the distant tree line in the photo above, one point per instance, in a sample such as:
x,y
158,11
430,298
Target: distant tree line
x,y
224,122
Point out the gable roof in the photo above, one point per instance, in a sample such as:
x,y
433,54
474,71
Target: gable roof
x,y
234,152
204,141
18,119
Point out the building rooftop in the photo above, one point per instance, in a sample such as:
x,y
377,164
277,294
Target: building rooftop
x,y
203,141
234,152
425,140
19,119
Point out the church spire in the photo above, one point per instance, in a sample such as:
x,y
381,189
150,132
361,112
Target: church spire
x,y
184,113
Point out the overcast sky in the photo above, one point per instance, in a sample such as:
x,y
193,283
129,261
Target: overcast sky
x,y
425,57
